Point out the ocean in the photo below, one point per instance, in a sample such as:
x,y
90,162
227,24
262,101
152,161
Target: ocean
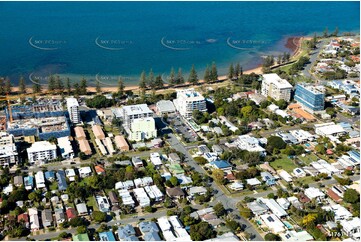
x,y
106,40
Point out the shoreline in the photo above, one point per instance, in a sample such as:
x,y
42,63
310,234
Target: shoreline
x,y
292,43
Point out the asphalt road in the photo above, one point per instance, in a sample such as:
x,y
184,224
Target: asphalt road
x,y
313,57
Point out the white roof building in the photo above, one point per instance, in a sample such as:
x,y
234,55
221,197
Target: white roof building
x,y
285,175
313,192
70,173
40,179
329,129
133,112
41,151
189,100
253,182
124,185
155,159
101,147
296,236
34,219
246,142
154,193
165,107
273,223
127,199
298,172
73,110
142,197
142,182
283,202
275,87
84,171
274,207
103,203
66,149
323,166
352,228
302,135
109,145
164,224
340,212
197,190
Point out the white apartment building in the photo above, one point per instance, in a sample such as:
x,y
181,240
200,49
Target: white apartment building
x,y
73,110
275,87
8,151
189,100
143,128
133,112
41,151
252,144
65,147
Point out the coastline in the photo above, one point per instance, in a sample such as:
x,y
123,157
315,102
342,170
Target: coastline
x,y
292,43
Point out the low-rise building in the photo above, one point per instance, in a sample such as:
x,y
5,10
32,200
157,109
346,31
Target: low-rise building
x,y
121,143
47,218
314,193
165,107
273,223
84,171
246,142
141,197
98,132
40,180
103,203
41,151
65,147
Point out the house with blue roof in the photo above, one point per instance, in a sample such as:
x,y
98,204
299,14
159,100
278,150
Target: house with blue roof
x,y
106,236
268,178
147,227
151,236
50,176
125,232
62,185
29,182
221,164
355,156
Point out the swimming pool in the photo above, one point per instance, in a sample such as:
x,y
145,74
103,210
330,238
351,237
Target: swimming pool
x,y
307,145
288,225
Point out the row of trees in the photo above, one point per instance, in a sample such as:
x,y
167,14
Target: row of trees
x,y
156,82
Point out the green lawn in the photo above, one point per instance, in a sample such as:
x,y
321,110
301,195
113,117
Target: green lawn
x,y
92,203
306,180
308,158
53,186
285,163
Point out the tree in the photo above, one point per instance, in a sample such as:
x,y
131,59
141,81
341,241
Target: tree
x,y
275,142
272,237
180,78
99,216
2,87
245,212
309,219
351,196
35,196
174,181
98,88
219,209
83,86
82,229
8,86
335,33
207,75
36,87
120,87
77,91
320,148
51,83
218,175
233,225
246,111
143,83
214,72
22,86
99,101
151,80
231,71
159,83
237,70
59,84
171,79
325,33
193,78
202,231
200,160
149,209
68,85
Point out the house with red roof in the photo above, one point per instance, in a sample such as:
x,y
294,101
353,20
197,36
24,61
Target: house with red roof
x,y
24,217
71,213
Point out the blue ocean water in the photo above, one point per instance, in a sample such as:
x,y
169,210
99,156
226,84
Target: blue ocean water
x,y
108,39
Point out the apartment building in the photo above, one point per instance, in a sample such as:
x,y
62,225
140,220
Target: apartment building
x,y
276,87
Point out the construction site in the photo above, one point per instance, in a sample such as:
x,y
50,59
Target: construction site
x,y
45,119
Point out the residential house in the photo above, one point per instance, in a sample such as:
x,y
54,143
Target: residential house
x,y
106,236
137,162
82,209
47,218
71,213
24,218
18,181
125,231
268,178
34,219
84,171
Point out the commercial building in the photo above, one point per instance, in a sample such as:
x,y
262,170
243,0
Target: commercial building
x,y
46,119
329,129
276,87
165,107
187,101
66,149
132,112
8,151
143,128
41,151
311,98
73,110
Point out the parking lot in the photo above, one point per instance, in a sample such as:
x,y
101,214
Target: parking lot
x,y
181,127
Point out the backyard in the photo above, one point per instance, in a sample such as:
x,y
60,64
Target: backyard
x,y
284,163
